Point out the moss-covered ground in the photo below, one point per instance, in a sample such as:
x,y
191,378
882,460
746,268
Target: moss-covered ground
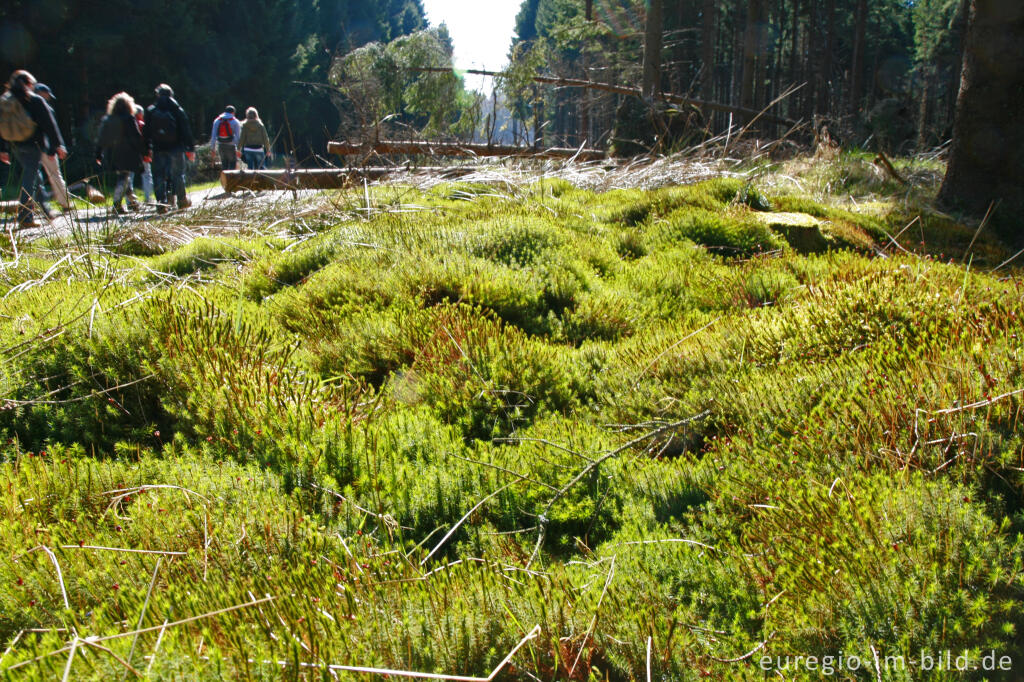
x,y
674,430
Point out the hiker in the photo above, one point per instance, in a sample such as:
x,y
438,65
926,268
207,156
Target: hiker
x,y
29,130
120,147
147,166
50,166
224,139
169,139
254,141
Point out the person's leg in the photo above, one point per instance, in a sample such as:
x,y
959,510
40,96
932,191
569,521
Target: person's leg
x,y
121,189
60,190
253,160
147,181
161,175
28,155
129,195
226,153
41,194
178,177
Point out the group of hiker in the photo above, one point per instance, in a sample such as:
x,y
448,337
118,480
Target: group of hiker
x,y
231,140
153,142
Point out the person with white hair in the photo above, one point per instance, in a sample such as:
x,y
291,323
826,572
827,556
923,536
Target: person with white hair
x,y
121,147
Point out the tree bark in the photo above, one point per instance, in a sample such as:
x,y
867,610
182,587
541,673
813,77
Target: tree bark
x,y
986,161
810,72
794,58
707,50
923,109
750,40
652,50
857,74
825,74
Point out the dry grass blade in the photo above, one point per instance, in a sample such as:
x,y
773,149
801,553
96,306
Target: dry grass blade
x,y
145,605
60,574
464,517
134,633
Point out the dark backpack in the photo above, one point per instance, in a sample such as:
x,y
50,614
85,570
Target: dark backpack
x,y
163,127
224,132
15,123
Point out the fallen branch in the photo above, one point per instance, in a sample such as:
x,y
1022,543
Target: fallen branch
x,y
883,161
463,149
318,178
623,90
543,517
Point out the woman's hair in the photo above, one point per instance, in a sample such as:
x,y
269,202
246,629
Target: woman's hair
x,y
251,114
19,82
121,103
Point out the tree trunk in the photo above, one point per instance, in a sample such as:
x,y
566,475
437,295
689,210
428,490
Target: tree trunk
x,y
707,51
794,59
810,73
857,75
923,108
986,161
750,41
825,74
652,50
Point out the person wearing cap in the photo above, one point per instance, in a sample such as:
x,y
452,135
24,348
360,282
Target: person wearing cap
x,y
169,142
44,140
224,139
49,164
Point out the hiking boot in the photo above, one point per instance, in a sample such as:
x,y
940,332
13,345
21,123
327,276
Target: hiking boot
x,y
134,205
184,203
161,208
117,209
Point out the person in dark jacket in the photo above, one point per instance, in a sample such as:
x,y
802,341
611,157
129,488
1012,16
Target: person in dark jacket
x,y
169,140
120,147
29,152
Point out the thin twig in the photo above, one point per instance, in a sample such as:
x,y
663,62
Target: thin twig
x,y
464,517
145,605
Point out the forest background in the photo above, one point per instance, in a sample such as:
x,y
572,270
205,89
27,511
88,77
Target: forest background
x,y
882,73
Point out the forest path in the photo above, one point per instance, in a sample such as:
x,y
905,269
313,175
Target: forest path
x,y
206,203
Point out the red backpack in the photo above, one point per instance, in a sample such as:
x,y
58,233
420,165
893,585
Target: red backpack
x,y
224,132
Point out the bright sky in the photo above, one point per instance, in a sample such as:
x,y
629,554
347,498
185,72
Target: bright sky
x,y
481,31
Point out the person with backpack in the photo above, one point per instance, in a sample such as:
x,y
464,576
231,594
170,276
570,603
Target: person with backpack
x,y
254,141
224,139
169,141
120,147
29,130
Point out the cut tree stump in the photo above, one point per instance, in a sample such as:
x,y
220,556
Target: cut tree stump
x,y
321,178
463,149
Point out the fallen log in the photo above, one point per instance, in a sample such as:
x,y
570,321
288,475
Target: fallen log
x,y
745,112
322,178
9,207
462,149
